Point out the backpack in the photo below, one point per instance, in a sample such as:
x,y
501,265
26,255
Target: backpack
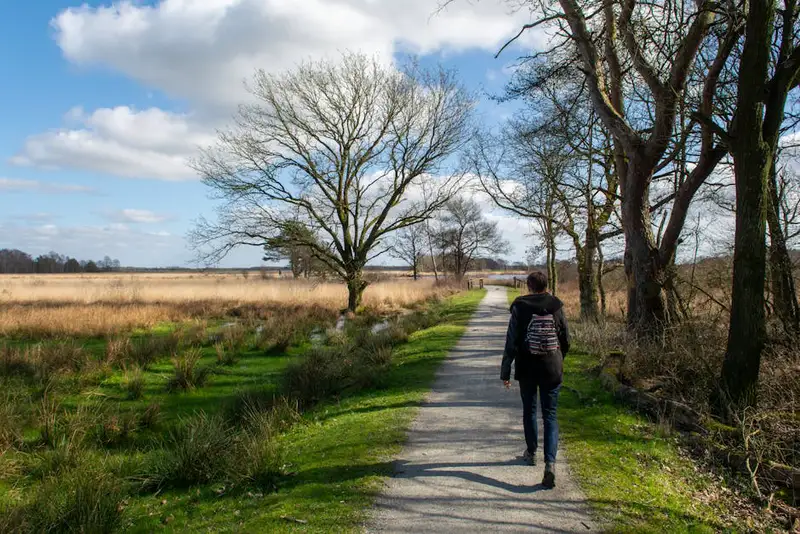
x,y
541,336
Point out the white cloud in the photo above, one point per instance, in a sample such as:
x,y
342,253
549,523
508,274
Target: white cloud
x,y
120,141
137,216
87,242
10,185
203,49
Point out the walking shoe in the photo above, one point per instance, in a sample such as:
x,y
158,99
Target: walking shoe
x,y
549,480
529,457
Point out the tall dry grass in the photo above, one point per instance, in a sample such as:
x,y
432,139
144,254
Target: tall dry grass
x,y
109,304
175,288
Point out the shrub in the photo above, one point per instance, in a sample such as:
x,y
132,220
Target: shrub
x,y
397,333
192,336
11,420
50,424
10,426
234,337
188,375
289,326
58,425
150,349
115,428
150,416
43,360
278,416
420,321
317,374
336,337
118,350
261,460
198,453
63,356
225,355
62,456
283,330
15,362
600,338
83,499
245,400
133,383
372,364
361,363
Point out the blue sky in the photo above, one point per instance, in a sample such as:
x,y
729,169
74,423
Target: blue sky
x,y
103,104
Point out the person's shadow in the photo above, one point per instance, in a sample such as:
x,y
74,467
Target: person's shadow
x,y
404,469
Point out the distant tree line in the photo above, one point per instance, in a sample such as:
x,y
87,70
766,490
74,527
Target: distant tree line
x,y
13,261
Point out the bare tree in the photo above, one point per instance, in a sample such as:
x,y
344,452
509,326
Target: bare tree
x,y
768,70
466,235
341,144
409,246
781,269
291,244
637,58
552,165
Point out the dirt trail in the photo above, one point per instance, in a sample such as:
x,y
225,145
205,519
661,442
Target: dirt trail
x,y
461,470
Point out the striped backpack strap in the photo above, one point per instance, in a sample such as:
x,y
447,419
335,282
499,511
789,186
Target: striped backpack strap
x,y
541,336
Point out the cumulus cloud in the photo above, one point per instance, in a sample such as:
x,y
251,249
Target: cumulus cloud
x,y
10,185
121,141
203,49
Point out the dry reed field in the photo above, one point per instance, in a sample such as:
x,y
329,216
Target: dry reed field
x,y
105,304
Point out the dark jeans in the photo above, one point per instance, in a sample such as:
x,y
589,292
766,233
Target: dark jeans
x,y
549,398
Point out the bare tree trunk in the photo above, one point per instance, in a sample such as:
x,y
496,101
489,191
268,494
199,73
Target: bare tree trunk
x,y
601,289
780,265
647,311
430,249
550,246
355,291
752,157
747,332
587,274
588,277
673,298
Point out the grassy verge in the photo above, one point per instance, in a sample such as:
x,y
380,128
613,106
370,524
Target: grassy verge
x,y
632,471
336,456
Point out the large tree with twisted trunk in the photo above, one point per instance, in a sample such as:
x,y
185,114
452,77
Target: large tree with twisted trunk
x,y
636,59
342,148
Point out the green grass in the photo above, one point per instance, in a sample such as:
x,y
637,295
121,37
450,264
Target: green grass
x,y
337,455
632,471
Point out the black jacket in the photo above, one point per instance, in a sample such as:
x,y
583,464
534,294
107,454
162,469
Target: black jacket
x,y
529,367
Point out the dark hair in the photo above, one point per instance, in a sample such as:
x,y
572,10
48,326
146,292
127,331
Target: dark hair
x,y
537,281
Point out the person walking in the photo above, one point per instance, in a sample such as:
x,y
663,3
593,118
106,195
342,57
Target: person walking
x,y
537,340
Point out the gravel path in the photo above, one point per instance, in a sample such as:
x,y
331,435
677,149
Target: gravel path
x,y
461,470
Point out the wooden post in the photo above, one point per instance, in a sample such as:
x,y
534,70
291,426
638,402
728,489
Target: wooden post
x,y
481,283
